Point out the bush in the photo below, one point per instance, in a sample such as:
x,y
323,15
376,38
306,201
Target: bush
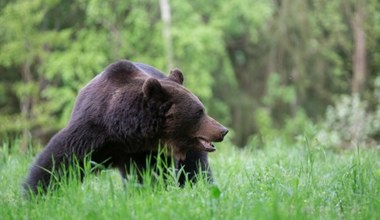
x,y
350,123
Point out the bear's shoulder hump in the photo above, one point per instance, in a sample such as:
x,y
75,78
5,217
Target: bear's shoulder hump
x,y
121,71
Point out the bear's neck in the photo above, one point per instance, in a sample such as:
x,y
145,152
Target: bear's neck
x,y
139,122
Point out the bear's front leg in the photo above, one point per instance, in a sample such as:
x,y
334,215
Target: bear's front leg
x,y
135,162
195,164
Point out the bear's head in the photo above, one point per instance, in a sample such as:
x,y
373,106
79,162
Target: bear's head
x,y
186,124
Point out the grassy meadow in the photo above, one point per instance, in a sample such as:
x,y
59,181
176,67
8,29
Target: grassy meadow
x,y
276,181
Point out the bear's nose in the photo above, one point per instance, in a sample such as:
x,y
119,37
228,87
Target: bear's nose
x,y
224,132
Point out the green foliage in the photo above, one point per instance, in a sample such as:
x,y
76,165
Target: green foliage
x,y
277,92
266,118
255,64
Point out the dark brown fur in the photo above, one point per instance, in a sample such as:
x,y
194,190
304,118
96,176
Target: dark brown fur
x,y
123,115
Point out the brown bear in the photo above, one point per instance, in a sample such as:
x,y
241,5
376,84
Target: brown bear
x,y
123,115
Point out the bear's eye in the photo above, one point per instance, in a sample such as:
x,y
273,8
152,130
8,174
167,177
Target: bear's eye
x,y
199,113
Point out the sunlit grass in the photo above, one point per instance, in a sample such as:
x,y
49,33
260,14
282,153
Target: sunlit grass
x,y
302,181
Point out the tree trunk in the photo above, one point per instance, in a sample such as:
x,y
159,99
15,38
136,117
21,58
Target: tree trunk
x,y
165,16
359,54
26,106
359,65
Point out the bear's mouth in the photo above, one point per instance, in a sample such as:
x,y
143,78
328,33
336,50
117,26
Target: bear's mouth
x,y
206,145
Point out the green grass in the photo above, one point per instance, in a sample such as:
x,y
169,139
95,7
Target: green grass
x,y
302,181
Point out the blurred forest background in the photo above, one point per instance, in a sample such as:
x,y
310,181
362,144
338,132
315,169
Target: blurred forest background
x,y
265,68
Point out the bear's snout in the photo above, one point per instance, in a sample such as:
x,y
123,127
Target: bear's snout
x,y
211,130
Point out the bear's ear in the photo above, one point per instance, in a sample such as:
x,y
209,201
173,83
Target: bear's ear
x,y
152,89
176,76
